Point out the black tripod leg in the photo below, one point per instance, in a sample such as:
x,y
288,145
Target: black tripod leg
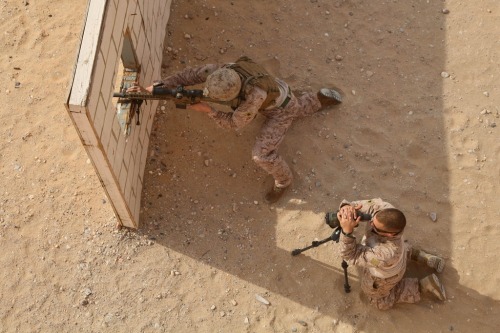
x,y
314,244
347,287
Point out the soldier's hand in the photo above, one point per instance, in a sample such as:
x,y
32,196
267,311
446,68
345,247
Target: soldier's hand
x,y
138,89
200,107
348,218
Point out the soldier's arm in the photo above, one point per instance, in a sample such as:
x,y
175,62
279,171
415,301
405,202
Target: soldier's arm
x,y
189,76
362,255
370,207
244,114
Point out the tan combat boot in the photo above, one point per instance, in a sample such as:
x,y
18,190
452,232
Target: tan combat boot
x,y
328,97
432,285
275,194
430,260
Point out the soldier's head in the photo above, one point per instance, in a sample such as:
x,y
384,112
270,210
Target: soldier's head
x,y
389,222
224,84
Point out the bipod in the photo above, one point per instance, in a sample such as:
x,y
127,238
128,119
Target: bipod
x,y
335,236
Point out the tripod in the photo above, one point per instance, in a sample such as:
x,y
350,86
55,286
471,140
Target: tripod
x,y
335,236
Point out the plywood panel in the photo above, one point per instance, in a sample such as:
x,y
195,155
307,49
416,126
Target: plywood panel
x,y
88,50
119,161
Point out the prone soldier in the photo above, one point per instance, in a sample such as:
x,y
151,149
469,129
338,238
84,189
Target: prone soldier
x,y
252,90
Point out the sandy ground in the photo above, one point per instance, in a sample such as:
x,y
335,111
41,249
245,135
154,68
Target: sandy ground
x,y
418,127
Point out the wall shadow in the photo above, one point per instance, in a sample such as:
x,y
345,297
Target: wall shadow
x,y
203,195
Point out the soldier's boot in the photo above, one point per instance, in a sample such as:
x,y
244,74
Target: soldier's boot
x,y
275,194
432,285
430,260
328,97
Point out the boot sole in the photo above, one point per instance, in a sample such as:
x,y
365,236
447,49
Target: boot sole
x,y
438,286
331,93
436,263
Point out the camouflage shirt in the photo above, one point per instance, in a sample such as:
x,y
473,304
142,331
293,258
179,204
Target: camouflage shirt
x,y
243,115
382,256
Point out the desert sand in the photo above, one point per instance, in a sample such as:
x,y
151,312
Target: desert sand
x,y
418,127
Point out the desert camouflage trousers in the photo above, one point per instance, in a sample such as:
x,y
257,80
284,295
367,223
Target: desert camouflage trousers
x,y
385,293
265,150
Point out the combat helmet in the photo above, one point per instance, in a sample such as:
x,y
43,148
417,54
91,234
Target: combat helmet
x,y
224,84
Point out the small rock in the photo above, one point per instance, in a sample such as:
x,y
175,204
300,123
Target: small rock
x,y
445,11
353,92
222,313
233,302
303,323
247,321
433,216
187,36
213,307
338,57
206,162
261,299
487,94
369,73
445,75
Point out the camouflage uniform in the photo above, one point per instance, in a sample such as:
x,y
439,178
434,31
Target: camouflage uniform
x,y
278,119
384,260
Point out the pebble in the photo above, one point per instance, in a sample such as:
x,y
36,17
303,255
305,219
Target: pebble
x,y
261,299
206,162
303,323
338,57
445,75
233,302
247,321
353,92
222,313
87,292
445,11
433,216
213,307
187,36
487,94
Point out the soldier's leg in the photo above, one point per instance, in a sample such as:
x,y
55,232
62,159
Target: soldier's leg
x,y
309,103
430,260
405,291
265,154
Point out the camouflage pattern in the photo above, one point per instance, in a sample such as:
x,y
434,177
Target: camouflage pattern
x,y
278,120
376,253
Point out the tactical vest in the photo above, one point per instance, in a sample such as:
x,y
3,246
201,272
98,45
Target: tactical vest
x,y
255,75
